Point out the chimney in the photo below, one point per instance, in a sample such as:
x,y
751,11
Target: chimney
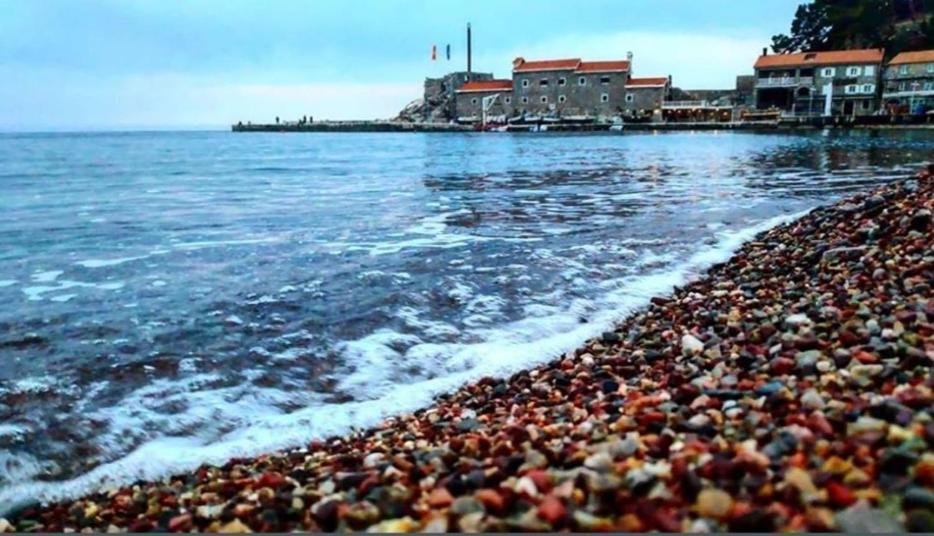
x,y
765,51
469,52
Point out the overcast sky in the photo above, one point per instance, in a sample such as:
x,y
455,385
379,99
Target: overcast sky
x,y
112,64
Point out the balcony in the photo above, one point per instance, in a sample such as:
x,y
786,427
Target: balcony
x,y
785,81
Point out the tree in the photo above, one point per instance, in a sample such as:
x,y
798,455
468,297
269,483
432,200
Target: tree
x,y
810,30
895,25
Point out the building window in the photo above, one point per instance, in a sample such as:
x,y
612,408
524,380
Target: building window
x,y
543,82
604,97
869,70
582,81
544,99
849,89
866,104
604,79
525,82
928,86
473,100
852,71
901,86
930,68
903,69
525,100
630,97
828,72
508,100
561,99
562,81
869,88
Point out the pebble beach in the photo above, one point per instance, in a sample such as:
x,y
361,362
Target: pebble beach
x,y
789,389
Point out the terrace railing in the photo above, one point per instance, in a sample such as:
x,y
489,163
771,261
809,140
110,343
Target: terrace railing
x,y
785,81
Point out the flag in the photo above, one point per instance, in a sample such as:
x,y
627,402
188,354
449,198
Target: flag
x,y
434,52
448,50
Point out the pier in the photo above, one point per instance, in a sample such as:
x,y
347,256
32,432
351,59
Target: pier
x,y
351,126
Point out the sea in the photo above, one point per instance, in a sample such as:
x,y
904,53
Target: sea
x,y
169,299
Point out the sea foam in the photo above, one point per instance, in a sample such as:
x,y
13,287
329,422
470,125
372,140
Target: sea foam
x,y
260,427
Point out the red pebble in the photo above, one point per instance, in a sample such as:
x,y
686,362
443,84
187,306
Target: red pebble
x,y
141,525
781,365
848,338
866,358
840,495
819,424
270,479
541,480
491,499
122,502
180,523
440,498
552,510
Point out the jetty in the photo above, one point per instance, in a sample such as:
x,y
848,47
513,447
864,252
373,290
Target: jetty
x,y
351,126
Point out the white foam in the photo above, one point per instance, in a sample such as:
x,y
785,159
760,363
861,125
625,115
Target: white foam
x,y
217,243
102,263
34,293
7,282
260,427
46,277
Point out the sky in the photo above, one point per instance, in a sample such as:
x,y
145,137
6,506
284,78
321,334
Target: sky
x,y
164,64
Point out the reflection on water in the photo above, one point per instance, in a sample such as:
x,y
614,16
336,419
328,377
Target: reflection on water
x,y
209,286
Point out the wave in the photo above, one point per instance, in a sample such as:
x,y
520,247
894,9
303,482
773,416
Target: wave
x,y
501,351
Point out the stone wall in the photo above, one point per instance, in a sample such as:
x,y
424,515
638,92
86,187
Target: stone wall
x,y
568,93
470,105
438,103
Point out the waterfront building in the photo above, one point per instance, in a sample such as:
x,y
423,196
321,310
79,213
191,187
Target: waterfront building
x,y
909,83
438,101
806,84
496,95
570,89
645,97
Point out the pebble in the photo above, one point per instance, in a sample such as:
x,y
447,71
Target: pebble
x,y
714,503
690,345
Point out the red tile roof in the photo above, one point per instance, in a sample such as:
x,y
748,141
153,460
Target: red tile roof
x,y
919,56
832,57
520,65
603,66
486,85
648,82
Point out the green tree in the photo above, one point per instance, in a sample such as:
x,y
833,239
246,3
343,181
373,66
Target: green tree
x,y
896,25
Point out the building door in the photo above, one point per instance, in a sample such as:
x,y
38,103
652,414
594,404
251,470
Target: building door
x,y
848,108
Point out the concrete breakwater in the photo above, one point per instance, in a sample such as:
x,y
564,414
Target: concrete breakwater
x,y
788,389
351,126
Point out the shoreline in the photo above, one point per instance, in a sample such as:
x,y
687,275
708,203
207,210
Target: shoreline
x,y
391,126
674,421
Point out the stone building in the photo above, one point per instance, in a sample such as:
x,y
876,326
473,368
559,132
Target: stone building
x,y
835,83
439,100
570,89
470,101
644,97
909,83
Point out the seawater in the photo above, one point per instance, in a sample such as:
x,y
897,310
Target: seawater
x,y
171,299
